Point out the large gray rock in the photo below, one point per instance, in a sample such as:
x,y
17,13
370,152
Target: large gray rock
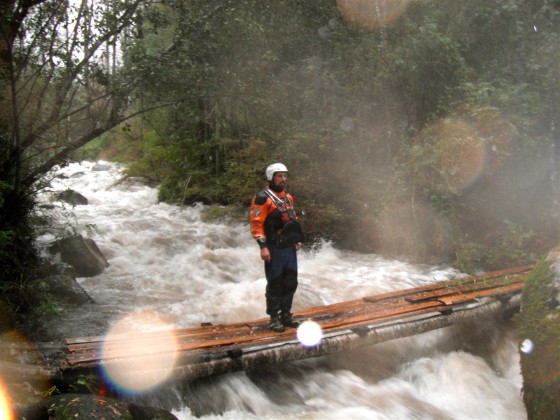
x,y
99,167
72,197
82,254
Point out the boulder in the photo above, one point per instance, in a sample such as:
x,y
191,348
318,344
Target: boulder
x,y
82,254
553,260
67,289
89,406
99,167
72,197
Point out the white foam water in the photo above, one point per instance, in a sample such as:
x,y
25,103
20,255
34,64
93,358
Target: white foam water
x,y
167,261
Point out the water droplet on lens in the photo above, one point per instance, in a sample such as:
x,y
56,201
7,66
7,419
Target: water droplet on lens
x,y
309,334
527,346
347,124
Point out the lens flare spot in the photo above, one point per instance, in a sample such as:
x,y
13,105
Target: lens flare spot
x,y
372,14
449,156
347,124
527,346
498,132
139,353
309,333
23,375
5,407
411,228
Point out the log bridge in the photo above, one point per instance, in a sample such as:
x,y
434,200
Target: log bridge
x,y
208,350
216,349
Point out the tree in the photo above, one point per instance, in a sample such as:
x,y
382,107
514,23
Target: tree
x,y
61,85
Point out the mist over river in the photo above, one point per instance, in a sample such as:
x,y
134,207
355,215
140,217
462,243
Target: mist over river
x,y
167,262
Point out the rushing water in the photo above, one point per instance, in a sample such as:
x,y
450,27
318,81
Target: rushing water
x,y
167,261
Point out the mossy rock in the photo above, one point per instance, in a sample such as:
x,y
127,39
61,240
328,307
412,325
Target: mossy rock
x,y
82,406
539,335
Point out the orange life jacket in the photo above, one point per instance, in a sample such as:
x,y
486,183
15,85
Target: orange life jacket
x,y
270,212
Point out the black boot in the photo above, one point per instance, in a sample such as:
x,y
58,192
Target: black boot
x,y
288,321
273,309
285,314
275,324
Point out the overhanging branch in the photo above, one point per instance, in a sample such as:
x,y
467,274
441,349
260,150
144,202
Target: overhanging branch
x,y
63,154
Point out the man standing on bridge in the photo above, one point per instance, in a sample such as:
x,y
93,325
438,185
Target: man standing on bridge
x,y
279,236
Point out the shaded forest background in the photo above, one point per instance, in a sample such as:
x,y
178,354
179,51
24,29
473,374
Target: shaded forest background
x,y
419,129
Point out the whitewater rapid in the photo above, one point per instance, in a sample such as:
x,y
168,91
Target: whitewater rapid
x,y
169,261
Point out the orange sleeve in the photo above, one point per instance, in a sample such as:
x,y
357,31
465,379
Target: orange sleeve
x,y
258,214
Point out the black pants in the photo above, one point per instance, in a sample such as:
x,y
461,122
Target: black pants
x,y
281,279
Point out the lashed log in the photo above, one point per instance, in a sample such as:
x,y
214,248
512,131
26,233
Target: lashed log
x,y
213,350
195,366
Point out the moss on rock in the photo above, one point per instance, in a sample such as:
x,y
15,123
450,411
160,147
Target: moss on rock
x,y
539,335
81,406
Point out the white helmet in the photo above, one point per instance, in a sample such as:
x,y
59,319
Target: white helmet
x,y
272,169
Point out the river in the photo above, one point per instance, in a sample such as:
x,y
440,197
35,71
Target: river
x,y
168,262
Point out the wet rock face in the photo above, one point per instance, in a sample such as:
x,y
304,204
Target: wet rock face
x,y
539,337
553,259
82,254
67,289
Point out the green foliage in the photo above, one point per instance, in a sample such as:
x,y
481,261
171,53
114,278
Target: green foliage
x,y
470,256
447,156
151,158
231,186
512,247
51,391
536,294
428,71
17,249
89,383
93,150
29,297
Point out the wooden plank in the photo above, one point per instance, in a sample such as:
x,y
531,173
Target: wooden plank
x,y
522,271
195,333
189,330
452,300
469,288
